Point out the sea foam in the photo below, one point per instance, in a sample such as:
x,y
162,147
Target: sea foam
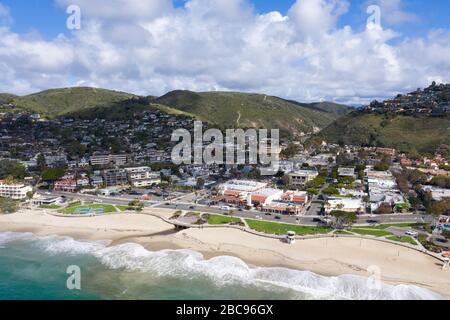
x,y
221,271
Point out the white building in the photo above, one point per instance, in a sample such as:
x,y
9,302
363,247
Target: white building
x,y
438,194
104,159
242,186
344,204
301,177
346,172
266,196
39,200
141,177
15,191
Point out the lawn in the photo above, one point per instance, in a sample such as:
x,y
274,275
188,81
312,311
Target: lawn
x,y
282,229
343,232
49,206
403,239
107,208
385,226
216,219
371,232
124,208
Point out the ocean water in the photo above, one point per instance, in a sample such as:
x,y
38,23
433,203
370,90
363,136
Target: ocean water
x,y
33,267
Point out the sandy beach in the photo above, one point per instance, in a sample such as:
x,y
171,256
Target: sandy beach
x,y
327,256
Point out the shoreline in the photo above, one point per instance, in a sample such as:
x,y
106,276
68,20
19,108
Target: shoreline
x,y
328,256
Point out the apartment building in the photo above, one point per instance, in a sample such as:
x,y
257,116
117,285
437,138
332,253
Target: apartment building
x,y
15,191
105,159
114,177
301,177
142,177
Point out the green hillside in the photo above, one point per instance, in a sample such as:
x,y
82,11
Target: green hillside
x,y
422,134
232,109
6,98
222,109
329,107
57,102
126,109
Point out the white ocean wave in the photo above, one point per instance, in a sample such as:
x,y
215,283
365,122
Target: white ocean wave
x,y
223,270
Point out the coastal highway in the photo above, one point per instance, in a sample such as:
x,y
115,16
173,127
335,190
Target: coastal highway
x,y
310,220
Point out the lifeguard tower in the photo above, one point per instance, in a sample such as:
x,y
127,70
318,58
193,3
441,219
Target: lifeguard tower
x,y
290,238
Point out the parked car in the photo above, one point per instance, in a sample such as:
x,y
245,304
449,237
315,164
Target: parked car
x,y
412,233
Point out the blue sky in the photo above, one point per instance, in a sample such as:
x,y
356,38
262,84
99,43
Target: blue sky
x,y
297,49
49,19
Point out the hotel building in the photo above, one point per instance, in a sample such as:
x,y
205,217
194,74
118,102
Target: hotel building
x,y
15,191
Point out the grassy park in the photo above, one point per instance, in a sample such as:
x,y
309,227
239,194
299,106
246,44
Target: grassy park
x,y
403,239
107,208
282,229
50,206
217,220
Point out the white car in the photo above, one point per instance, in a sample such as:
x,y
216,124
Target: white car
x,y
412,233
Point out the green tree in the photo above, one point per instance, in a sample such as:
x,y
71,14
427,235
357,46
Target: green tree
x,y
439,208
384,208
76,149
381,167
41,163
344,218
200,183
12,169
53,174
331,191
290,151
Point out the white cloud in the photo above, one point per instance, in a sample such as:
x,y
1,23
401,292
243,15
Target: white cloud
x,y
392,13
5,16
223,45
120,9
315,17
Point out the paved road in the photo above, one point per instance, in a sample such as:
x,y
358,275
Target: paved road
x,y
309,219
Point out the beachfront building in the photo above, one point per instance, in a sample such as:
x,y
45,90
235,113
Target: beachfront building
x,y
40,200
296,197
17,191
344,204
142,177
254,194
96,179
236,191
265,196
115,177
243,185
68,183
301,177
382,189
283,208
